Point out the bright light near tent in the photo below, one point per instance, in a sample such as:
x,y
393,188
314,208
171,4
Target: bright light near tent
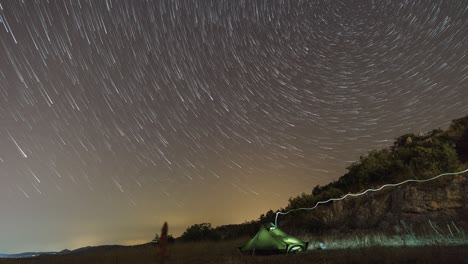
x,y
295,249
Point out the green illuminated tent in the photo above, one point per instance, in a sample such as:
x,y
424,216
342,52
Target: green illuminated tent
x,y
271,240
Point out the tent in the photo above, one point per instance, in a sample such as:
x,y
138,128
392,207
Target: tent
x,y
271,240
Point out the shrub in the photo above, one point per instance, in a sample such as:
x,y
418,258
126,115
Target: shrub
x,y
200,232
459,124
428,160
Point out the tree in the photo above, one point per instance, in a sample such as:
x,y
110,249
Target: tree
x,y
155,239
199,232
170,239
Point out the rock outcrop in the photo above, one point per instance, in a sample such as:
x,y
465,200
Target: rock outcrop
x,y
441,201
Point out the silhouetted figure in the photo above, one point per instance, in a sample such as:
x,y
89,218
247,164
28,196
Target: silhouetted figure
x,y
163,251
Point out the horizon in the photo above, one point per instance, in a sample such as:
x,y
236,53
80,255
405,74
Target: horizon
x,y
118,116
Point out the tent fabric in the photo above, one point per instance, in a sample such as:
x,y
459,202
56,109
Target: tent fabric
x,y
270,240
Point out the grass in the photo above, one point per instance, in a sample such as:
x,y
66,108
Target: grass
x,y
225,252
438,246
402,236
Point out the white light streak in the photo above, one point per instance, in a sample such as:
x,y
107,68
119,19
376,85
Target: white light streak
x,y
19,148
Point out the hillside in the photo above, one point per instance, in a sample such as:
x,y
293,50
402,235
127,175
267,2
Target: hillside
x,y
411,156
421,156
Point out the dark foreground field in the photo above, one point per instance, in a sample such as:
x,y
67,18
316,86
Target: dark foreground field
x,y
226,252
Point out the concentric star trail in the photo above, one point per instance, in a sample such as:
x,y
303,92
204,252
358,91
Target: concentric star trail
x,y
119,115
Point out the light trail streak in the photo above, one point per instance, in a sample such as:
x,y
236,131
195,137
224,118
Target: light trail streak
x,y
364,192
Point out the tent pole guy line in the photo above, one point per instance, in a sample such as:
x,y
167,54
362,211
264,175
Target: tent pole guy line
x,y
364,192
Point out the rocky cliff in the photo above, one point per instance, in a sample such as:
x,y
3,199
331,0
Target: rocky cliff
x,y
441,201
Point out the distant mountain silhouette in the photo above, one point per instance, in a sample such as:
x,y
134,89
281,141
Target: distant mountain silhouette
x,y
27,254
67,251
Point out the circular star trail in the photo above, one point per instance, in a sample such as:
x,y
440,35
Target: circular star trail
x,y
118,115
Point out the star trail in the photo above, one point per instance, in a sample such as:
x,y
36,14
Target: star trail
x,y
116,116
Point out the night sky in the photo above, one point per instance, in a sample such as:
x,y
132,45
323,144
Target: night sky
x,y
116,116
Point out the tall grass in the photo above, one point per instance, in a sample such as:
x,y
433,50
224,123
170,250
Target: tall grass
x,y
438,244
226,252
402,236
